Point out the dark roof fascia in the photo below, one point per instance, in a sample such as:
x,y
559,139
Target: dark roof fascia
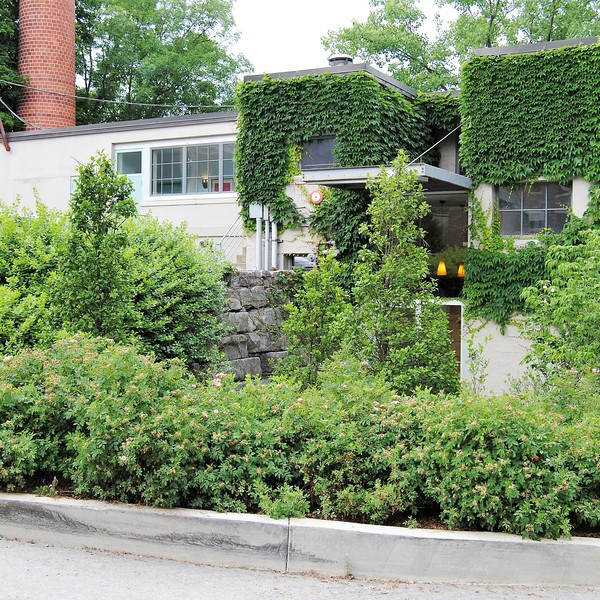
x,y
384,79
531,48
139,125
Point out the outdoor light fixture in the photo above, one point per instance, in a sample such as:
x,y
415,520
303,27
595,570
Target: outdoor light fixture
x,y
441,269
205,182
461,270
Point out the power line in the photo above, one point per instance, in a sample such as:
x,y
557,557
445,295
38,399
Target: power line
x,y
14,114
125,102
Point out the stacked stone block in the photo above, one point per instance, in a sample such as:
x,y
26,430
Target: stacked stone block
x,y
256,340
47,61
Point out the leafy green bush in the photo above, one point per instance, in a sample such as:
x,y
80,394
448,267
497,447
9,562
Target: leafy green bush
x,y
116,425
31,243
136,279
178,292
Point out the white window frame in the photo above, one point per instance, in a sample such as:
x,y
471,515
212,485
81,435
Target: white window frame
x,y
219,183
522,211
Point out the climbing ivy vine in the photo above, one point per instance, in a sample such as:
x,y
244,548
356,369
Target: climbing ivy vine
x,y
370,123
526,116
534,115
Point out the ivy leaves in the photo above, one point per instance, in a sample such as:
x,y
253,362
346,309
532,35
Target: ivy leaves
x,y
370,122
532,115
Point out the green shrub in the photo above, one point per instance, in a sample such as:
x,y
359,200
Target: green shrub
x,y
178,292
502,464
116,425
31,243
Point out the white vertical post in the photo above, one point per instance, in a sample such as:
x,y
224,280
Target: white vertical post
x,y
274,240
259,225
267,243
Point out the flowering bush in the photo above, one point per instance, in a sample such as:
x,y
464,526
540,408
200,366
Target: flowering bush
x,y
113,424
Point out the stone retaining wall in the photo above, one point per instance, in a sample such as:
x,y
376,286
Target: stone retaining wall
x,y
256,340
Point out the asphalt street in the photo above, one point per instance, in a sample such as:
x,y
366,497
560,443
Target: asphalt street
x,y
46,572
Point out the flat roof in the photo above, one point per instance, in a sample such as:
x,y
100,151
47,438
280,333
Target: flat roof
x,y
433,179
384,79
138,125
538,47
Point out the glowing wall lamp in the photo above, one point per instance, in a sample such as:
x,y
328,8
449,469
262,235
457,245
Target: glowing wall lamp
x,y
441,269
461,270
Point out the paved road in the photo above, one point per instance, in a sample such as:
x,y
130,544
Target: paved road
x,y
43,572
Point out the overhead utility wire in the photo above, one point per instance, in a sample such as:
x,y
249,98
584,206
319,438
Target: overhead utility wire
x,y
432,147
14,114
64,95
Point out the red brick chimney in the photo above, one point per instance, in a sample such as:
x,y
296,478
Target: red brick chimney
x,y
47,60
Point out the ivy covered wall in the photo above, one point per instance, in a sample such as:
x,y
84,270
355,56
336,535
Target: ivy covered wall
x,y
533,115
370,122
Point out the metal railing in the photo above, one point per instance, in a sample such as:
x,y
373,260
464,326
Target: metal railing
x,y
231,244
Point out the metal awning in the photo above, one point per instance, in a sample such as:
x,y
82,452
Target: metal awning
x,y
434,180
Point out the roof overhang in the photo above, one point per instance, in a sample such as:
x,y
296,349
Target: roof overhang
x,y
433,179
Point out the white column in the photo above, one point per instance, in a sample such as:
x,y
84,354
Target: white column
x,y
259,224
267,244
274,240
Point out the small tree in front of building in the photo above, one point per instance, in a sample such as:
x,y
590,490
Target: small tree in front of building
x,y
399,326
93,292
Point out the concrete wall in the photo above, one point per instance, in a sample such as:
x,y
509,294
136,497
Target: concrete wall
x,y
502,353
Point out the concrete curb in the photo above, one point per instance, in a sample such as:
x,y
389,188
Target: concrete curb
x,y
301,545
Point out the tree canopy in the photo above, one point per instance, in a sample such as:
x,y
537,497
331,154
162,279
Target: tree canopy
x,y
173,54
393,36
8,60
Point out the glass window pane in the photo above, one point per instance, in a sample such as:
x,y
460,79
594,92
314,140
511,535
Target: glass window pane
x,y
534,196
533,221
511,222
213,152
228,150
556,220
228,168
318,152
509,198
129,163
559,195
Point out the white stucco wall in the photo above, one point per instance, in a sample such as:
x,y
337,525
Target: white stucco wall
x,y
502,353
45,163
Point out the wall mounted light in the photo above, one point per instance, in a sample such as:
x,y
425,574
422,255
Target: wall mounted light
x,y
441,269
461,270
205,182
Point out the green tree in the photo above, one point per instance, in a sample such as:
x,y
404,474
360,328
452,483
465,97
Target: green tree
x,y
92,289
399,325
392,37
9,15
315,325
173,52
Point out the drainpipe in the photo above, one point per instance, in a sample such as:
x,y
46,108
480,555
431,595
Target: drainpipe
x,y
267,243
274,240
259,243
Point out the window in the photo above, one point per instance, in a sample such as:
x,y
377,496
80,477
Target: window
x,y
318,153
197,169
526,209
129,162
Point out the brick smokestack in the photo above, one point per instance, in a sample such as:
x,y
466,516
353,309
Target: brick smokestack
x,y
47,61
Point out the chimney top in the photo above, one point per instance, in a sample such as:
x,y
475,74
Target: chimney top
x,y
338,60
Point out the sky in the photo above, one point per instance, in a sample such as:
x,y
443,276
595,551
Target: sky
x,y
285,35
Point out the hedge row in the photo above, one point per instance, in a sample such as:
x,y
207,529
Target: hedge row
x,y
112,424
